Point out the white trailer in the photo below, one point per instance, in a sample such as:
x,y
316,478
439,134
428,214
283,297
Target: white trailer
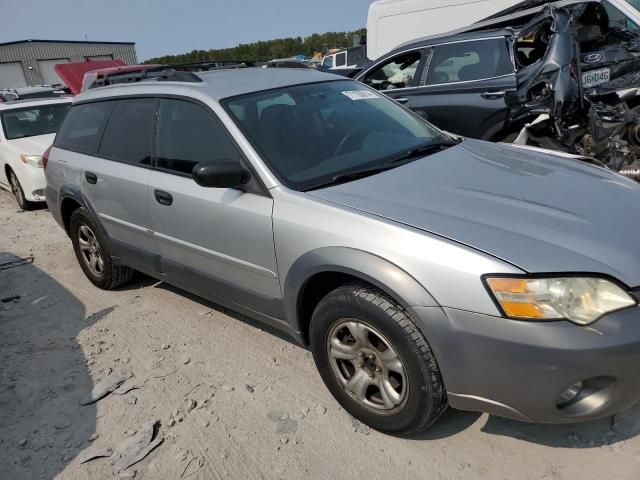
x,y
391,23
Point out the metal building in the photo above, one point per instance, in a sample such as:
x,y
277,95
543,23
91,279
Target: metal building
x,y
30,62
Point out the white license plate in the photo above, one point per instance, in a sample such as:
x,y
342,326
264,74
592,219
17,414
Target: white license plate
x,y
595,77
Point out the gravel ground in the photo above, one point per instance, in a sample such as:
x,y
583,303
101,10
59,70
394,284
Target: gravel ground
x,y
235,400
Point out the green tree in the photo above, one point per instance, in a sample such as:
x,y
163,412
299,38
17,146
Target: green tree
x,y
267,50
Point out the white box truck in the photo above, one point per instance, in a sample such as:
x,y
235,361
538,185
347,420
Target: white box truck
x,y
393,22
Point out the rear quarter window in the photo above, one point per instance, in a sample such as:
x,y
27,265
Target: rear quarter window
x,y
128,136
82,128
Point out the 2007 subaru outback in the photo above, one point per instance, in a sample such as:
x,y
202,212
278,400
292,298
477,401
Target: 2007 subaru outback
x,y
423,270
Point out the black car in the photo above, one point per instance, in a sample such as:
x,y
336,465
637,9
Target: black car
x,y
551,76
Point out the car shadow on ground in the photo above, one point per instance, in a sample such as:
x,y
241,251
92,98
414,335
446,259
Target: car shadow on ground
x,y
595,433
591,434
43,373
34,207
231,313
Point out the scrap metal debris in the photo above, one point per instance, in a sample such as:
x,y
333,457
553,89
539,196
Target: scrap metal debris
x,y
198,465
125,388
10,298
135,448
16,263
107,385
94,452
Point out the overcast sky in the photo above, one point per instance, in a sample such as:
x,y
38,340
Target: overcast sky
x,y
160,27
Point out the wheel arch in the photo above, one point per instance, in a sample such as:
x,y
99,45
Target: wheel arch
x,y
70,199
322,270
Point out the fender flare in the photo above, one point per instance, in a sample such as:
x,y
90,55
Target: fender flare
x,y
73,192
381,273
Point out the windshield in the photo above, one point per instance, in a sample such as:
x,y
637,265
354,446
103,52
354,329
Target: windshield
x,y
309,134
32,121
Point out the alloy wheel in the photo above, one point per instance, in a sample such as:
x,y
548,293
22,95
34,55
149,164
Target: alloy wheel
x,y
367,366
16,189
90,250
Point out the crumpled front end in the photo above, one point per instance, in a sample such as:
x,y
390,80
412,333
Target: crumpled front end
x,y
577,92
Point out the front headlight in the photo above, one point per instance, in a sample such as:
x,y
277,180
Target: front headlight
x,y
581,300
33,160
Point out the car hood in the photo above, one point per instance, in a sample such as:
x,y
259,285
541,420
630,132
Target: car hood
x,y
33,145
537,211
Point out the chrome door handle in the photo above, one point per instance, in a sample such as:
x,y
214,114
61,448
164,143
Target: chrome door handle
x,y
163,198
402,100
91,177
493,95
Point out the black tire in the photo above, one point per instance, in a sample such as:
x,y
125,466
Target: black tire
x,y
425,399
18,192
111,275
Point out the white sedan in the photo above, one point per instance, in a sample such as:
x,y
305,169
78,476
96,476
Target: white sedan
x,y
27,129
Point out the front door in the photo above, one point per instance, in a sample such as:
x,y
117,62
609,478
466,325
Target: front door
x,y
217,242
397,77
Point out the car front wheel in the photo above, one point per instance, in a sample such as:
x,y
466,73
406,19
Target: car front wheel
x,y
18,192
376,362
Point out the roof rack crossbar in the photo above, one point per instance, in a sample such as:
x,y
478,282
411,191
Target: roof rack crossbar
x,y
181,72
157,74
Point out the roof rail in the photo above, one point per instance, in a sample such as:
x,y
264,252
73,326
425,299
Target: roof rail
x,y
206,65
180,72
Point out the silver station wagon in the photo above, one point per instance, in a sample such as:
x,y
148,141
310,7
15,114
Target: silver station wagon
x,y
423,270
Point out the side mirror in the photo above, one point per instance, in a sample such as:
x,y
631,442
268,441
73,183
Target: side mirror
x,y
221,174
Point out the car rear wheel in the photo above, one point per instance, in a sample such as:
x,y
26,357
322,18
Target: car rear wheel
x,y
18,192
375,361
92,253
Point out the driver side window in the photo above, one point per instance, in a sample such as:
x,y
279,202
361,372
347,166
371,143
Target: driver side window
x,y
399,72
187,135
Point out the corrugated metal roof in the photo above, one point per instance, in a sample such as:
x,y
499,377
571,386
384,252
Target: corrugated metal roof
x,y
31,40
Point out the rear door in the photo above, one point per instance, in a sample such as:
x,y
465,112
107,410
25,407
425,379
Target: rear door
x,y
217,242
465,87
115,181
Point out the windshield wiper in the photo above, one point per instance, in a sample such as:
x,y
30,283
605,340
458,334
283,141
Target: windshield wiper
x,y
352,175
387,163
419,151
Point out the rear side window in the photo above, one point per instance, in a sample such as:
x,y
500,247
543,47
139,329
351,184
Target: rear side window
x,y
465,61
341,59
355,56
82,128
189,134
129,134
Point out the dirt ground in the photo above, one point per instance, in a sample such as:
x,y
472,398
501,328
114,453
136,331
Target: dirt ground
x,y
260,411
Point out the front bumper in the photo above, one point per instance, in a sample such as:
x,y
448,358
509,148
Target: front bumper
x,y
518,369
33,183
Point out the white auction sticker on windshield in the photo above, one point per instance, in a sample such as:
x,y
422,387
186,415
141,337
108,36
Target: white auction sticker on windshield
x,y
360,95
